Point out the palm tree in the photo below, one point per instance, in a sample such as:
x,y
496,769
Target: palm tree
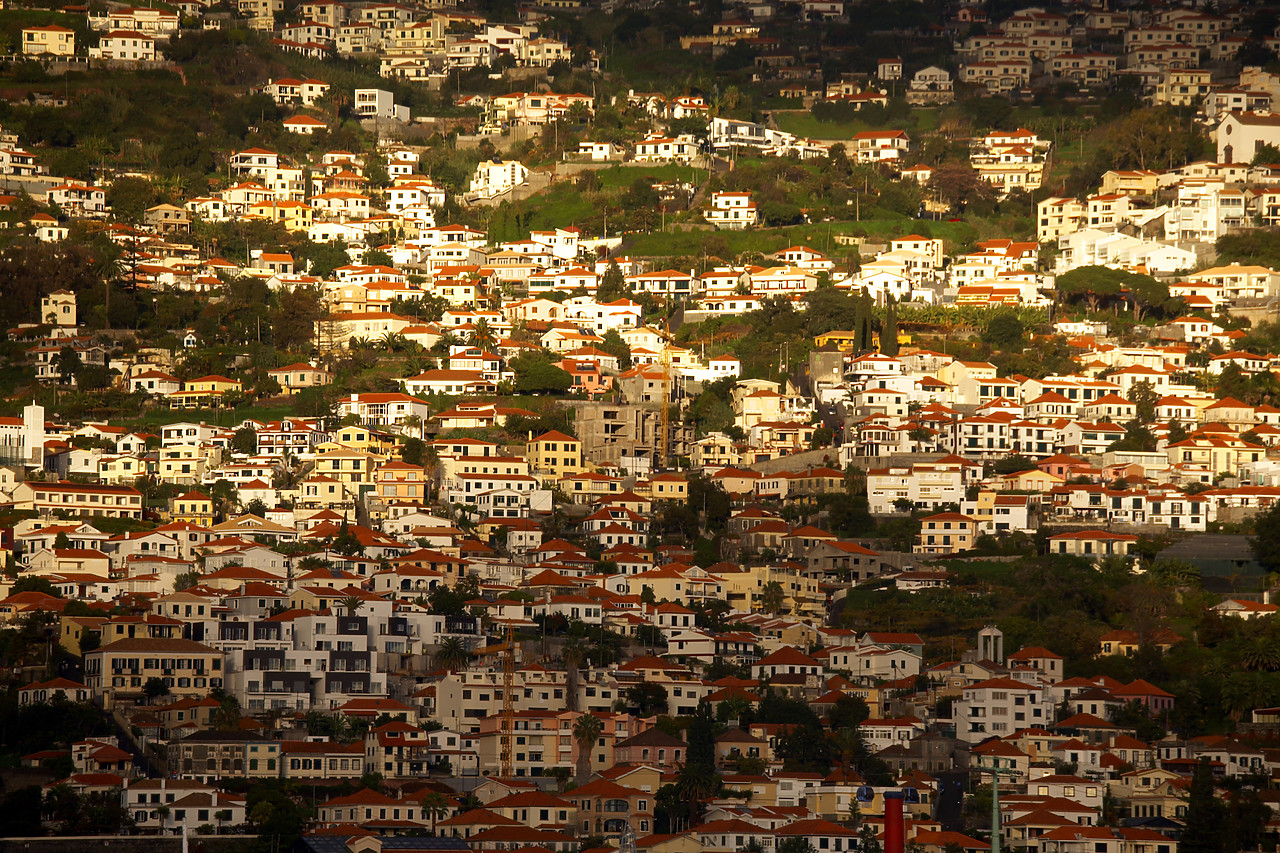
x,y
1261,653
482,336
452,655
352,604
561,775
1243,692
696,783
414,424
772,597
227,717
847,744
434,806
574,654
447,341
586,731
393,342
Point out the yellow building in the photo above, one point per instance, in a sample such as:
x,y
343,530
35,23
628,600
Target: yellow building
x,y
186,463
945,533
554,455
664,487
205,391
192,508
319,492
294,215
76,628
363,439
121,470
51,40
353,468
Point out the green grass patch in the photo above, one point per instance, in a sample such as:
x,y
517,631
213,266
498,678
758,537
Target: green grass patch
x,y
804,123
560,206
622,177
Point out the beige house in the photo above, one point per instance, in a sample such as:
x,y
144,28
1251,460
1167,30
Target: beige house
x,y
123,668
294,377
1094,544
51,40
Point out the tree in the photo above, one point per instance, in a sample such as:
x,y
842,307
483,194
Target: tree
x,y
613,284
293,323
129,197
31,583
956,183
1100,287
772,597
697,782
1005,332
451,655
434,806
1144,398
68,363
352,604
647,699
536,373
245,440
185,580
1266,538
796,844
1206,815
482,336
848,712
155,688
346,542
586,731
615,346
1265,155
1014,464
227,717
889,334
1155,137
870,840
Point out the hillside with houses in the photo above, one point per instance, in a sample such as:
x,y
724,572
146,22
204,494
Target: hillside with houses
x,y
580,426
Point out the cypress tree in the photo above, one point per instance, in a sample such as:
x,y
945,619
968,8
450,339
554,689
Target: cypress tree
x,y
1205,814
889,333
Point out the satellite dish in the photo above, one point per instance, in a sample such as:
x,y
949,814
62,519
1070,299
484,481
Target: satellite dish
x,y
865,794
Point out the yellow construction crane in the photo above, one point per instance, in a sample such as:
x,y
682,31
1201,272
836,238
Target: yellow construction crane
x,y
508,704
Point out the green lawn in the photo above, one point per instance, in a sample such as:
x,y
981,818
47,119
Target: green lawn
x,y
803,123
623,176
